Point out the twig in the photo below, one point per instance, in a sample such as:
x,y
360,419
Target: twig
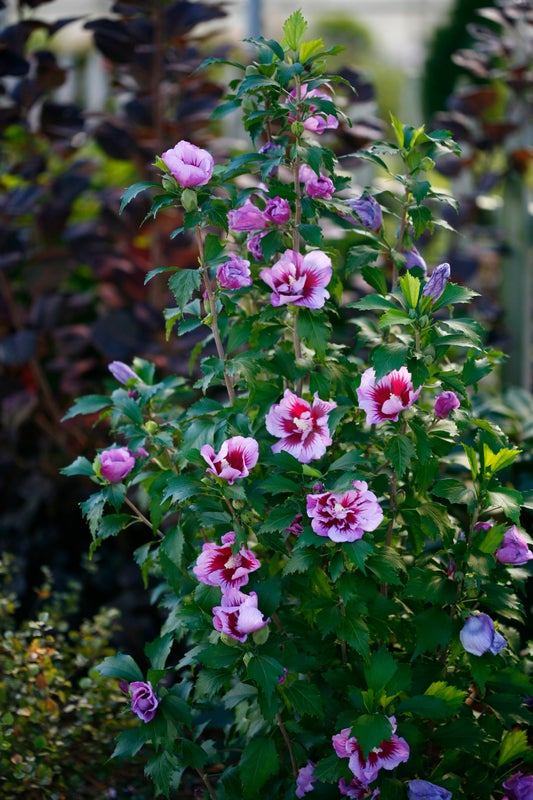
x,y
285,735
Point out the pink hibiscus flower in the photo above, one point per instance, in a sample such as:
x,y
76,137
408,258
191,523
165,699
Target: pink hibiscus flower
x,y
314,121
299,279
218,565
302,428
235,459
344,517
387,755
189,164
385,399
238,615
234,273
316,185
247,217
305,779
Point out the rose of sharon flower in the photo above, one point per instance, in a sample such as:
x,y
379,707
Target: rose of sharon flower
x,y
116,463
424,790
357,790
277,210
479,636
143,700
316,122
385,399
299,279
234,273
445,403
189,164
316,185
344,517
387,755
247,217
302,428
238,615
413,260
514,548
368,212
519,787
235,459
218,565
253,243
437,282
305,779
122,372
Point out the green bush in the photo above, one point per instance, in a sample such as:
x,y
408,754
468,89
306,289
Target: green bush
x,y
59,717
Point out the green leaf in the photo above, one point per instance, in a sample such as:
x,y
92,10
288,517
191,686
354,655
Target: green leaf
x,y
181,487
452,696
313,330
421,218
259,762
433,630
88,404
355,632
176,708
508,501
265,671
308,49
370,730
494,462
130,741
183,284
92,510
132,191
514,745
293,29
192,754
120,666
358,552
113,524
80,466
425,706
388,357
454,491
380,670
386,564
453,294
400,450
305,699
375,277
238,693
411,288
163,769
158,650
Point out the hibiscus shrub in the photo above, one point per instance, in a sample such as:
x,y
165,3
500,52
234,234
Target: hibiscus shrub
x,y
332,538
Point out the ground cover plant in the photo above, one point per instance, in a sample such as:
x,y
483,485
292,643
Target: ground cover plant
x,y
332,537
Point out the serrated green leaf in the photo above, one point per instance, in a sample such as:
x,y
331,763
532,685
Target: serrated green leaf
x,y
380,670
130,741
313,330
89,404
411,288
265,671
400,450
238,693
305,699
80,466
454,491
508,501
514,745
183,284
259,762
181,487
132,191
158,650
163,769
370,730
293,29
433,630
388,357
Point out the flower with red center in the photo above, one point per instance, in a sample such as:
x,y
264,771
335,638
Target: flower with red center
x,y
234,273
218,565
514,549
299,279
302,428
387,755
235,459
344,517
385,399
189,164
315,120
238,615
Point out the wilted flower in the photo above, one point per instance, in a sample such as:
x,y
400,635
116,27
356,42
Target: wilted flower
x,y
305,779
357,790
318,186
413,260
122,372
236,457
277,210
424,790
437,282
387,755
302,428
234,273
385,399
479,636
189,164
514,548
296,527
299,279
143,700
218,565
238,615
116,463
445,403
247,217
253,243
368,212
344,517
519,787
318,121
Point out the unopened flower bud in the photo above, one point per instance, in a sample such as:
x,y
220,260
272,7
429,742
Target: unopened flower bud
x,y
437,282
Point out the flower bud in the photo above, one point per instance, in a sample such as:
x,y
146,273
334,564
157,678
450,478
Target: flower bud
x,y
437,282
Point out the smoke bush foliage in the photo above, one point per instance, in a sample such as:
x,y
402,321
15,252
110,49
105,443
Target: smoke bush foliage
x,y
335,547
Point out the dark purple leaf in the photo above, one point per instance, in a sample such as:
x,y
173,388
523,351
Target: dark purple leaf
x,y
116,141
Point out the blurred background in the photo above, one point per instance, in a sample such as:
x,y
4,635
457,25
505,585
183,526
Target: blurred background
x,y
90,92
